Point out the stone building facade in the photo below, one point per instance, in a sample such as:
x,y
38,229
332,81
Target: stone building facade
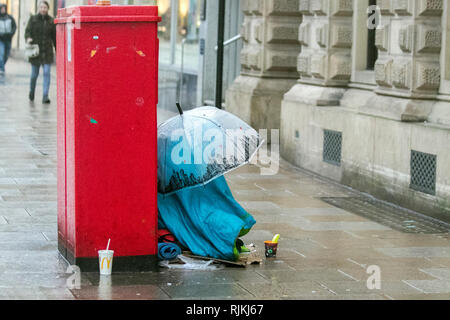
x,y
368,107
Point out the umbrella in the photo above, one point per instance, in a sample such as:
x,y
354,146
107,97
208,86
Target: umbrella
x,y
200,145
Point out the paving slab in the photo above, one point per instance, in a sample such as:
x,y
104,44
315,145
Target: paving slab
x,y
36,293
108,292
285,290
202,291
388,288
416,252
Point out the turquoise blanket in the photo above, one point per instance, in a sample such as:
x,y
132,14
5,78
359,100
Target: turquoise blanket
x,y
206,219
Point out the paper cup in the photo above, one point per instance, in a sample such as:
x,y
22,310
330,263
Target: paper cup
x,y
105,260
270,249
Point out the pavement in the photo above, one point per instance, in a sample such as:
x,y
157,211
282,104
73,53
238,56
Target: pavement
x,y
325,251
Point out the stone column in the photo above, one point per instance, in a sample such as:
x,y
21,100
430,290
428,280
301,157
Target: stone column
x,y
325,63
441,110
268,61
409,41
445,53
325,68
326,38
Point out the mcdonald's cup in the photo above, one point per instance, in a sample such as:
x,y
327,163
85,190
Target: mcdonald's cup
x,y
105,260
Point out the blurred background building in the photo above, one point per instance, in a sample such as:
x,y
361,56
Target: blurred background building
x,y
194,21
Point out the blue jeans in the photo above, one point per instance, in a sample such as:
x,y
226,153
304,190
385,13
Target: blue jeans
x,y
5,50
35,74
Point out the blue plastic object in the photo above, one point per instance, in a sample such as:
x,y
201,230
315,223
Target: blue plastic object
x,y
207,219
168,251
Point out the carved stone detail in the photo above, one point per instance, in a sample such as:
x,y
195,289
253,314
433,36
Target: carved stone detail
x,y
385,7
406,38
428,76
342,7
280,61
410,69
270,38
282,33
341,36
244,58
255,58
259,32
245,6
304,64
283,7
256,6
403,7
340,67
320,7
401,74
245,31
322,35
382,38
318,66
429,39
430,7
326,37
305,7
304,34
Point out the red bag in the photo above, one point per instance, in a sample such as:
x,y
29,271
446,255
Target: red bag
x,y
164,235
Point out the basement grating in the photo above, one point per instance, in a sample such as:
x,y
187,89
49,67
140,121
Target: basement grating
x,y
389,215
423,172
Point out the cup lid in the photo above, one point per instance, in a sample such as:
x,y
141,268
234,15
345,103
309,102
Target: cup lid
x,y
106,251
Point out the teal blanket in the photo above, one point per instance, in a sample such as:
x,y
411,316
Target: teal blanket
x,y
206,219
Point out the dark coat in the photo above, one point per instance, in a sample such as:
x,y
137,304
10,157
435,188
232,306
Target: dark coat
x,y
11,24
43,32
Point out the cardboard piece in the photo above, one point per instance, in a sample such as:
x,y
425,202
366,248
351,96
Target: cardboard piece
x,y
245,259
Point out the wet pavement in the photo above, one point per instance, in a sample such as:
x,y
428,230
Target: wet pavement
x,y
325,252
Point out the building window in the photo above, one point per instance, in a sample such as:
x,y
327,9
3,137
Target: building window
x,y
372,51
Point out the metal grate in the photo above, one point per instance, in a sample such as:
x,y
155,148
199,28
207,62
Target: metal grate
x,y
423,172
389,215
332,147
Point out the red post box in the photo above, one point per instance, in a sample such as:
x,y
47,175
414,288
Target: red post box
x,y
107,71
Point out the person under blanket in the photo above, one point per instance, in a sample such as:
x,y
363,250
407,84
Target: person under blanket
x,y
207,220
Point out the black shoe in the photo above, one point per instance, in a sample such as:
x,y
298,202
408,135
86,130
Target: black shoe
x,y
46,100
31,96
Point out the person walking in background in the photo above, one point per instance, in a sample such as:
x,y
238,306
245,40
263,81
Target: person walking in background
x,y
7,30
41,31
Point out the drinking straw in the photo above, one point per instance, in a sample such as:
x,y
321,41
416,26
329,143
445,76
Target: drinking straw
x,y
107,247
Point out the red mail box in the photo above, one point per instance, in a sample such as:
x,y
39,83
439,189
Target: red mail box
x,y
107,71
